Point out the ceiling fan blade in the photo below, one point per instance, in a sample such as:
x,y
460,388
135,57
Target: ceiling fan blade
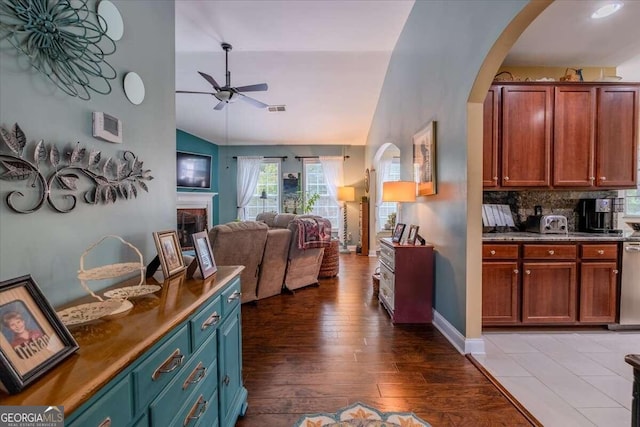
x,y
253,102
191,91
253,88
220,105
210,79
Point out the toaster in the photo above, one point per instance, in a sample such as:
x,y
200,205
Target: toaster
x,y
547,224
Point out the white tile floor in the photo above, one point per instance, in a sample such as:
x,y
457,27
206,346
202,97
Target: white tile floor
x,y
566,378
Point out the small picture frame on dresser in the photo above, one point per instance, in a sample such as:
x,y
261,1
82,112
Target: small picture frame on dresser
x,y
413,233
397,232
32,338
204,254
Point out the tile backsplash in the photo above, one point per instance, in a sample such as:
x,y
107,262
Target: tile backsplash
x,y
522,203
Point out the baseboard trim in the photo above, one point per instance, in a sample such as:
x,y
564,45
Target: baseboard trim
x,y
519,406
462,344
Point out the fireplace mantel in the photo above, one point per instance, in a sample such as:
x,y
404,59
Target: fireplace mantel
x,y
200,199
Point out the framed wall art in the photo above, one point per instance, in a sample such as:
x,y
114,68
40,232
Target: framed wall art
x,y
397,233
424,160
204,254
169,252
33,339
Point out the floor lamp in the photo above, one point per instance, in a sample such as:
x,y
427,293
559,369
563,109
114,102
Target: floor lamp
x,y
345,194
263,196
398,191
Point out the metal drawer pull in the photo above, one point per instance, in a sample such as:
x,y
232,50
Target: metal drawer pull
x,y
171,364
198,373
226,380
600,252
105,423
551,252
506,178
603,178
615,271
527,271
234,296
211,320
516,271
495,178
197,411
492,252
632,248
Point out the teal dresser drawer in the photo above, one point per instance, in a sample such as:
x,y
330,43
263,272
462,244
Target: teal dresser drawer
x,y
113,409
210,417
200,406
160,367
231,297
204,324
200,369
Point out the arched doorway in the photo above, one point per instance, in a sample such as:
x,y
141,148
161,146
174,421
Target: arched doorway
x,y
386,163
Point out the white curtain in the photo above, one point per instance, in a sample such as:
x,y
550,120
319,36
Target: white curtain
x,y
383,172
248,173
333,168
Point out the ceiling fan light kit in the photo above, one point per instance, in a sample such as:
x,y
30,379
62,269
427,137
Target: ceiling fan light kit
x,y
228,94
607,10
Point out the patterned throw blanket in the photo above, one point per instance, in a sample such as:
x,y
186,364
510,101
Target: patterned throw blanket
x,y
313,233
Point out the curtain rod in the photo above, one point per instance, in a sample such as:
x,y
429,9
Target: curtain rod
x,y
298,158
284,158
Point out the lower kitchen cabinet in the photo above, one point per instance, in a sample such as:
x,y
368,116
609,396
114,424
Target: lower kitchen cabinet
x,y
598,291
500,293
549,292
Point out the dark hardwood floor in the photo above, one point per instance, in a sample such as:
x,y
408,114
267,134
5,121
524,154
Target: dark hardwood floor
x,y
328,346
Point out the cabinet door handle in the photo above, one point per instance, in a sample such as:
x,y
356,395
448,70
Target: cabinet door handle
x,y
198,373
495,178
196,411
226,380
551,252
600,252
105,423
211,320
234,296
603,178
592,178
516,271
171,364
527,271
506,178
492,252
615,271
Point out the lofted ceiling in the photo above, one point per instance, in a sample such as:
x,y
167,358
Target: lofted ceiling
x,y
326,61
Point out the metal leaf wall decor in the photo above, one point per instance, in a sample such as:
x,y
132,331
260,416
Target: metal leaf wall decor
x,y
111,178
62,40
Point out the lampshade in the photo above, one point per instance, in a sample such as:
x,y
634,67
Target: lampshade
x,y
399,191
263,195
346,194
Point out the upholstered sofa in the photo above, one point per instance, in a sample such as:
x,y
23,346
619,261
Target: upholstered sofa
x,y
303,265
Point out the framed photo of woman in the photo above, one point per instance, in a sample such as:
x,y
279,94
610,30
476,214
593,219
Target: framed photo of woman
x,y
397,233
169,252
32,339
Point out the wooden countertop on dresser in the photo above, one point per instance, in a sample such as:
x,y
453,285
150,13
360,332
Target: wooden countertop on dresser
x,y
108,346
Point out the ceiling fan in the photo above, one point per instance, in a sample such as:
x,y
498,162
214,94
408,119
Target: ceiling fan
x,y
227,94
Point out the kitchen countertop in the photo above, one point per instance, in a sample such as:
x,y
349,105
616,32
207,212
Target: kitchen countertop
x,y
525,236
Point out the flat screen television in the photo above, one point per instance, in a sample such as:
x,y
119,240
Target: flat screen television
x,y
193,170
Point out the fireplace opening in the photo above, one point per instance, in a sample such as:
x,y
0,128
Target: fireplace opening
x,y
190,221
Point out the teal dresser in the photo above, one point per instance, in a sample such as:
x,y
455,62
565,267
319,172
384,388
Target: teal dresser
x,y
174,360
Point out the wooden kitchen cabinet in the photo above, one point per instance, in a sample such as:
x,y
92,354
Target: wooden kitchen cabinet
x,y
549,292
617,137
574,136
526,136
598,283
500,293
490,158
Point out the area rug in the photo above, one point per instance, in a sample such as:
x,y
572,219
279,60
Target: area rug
x,y
361,415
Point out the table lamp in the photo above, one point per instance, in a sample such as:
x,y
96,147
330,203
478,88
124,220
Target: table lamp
x,y
345,194
399,191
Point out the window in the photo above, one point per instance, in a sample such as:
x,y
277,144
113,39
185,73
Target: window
x,y
387,208
269,182
632,198
314,183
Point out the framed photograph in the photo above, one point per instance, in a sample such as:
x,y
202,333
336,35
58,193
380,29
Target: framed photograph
x,y
424,160
413,233
397,233
204,254
169,252
33,339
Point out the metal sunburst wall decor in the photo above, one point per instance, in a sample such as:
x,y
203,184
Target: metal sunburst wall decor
x,y
63,40
111,178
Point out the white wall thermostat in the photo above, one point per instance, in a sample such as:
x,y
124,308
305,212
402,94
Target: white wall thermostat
x,y
107,127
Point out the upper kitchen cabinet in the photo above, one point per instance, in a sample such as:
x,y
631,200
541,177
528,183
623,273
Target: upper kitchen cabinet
x,y
526,136
561,135
617,137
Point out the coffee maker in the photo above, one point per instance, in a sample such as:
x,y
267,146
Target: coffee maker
x,y
597,215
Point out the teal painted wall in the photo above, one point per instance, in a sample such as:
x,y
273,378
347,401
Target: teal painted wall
x,y
193,144
48,244
430,74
